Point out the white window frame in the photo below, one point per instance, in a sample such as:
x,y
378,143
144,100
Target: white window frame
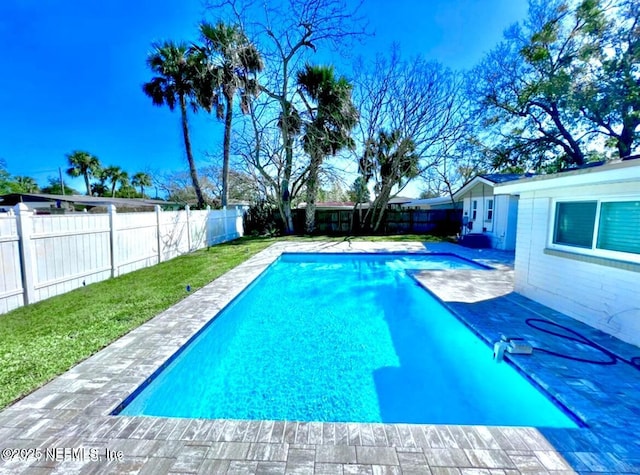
x,y
489,209
474,210
593,251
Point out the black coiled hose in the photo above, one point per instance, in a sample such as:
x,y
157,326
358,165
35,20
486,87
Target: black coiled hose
x,y
612,358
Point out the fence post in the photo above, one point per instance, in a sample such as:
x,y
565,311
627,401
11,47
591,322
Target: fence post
x,y
158,236
239,222
23,222
225,219
111,209
207,228
187,210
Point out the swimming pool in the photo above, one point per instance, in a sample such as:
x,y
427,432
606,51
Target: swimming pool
x,y
343,337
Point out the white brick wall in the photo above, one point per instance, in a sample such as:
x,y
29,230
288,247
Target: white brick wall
x,y
605,297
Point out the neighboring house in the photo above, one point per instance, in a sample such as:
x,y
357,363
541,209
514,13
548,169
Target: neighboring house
x,y
242,205
397,202
331,216
578,244
333,205
441,202
44,203
488,213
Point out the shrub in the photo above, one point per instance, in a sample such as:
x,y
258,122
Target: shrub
x,y
260,220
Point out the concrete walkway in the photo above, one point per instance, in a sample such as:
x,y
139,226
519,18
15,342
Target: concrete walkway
x,y
66,426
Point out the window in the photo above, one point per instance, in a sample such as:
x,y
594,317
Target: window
x,y
489,210
574,223
604,227
619,226
474,210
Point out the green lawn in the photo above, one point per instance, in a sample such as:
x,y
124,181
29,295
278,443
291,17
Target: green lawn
x,y
45,339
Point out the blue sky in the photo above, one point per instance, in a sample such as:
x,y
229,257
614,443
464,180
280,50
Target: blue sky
x,y
72,72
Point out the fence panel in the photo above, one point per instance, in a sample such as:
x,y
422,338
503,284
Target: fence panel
x,y
402,221
236,228
46,255
198,228
136,244
216,227
69,251
433,221
223,225
398,222
11,291
333,221
173,234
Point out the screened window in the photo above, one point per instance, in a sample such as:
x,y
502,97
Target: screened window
x,y
489,210
619,228
474,209
574,223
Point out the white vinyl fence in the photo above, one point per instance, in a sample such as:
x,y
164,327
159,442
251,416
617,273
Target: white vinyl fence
x,y
46,255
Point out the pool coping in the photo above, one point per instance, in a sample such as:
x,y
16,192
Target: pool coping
x,y
74,409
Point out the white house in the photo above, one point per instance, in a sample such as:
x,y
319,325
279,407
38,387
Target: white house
x,y
487,212
578,244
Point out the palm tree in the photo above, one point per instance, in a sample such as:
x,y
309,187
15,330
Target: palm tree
x,y
116,175
174,64
83,164
141,179
392,159
229,63
26,184
329,129
99,187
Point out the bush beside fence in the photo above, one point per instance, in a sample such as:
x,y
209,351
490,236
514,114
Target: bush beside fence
x,y
46,255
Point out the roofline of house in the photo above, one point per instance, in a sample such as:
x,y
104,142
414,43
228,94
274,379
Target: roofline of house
x,y
335,206
619,171
87,200
470,184
428,201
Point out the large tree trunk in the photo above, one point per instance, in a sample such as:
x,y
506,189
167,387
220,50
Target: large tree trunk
x,y
312,192
287,141
576,156
226,146
187,146
285,194
285,198
379,206
626,138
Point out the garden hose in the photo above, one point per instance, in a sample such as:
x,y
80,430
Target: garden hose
x,y
579,338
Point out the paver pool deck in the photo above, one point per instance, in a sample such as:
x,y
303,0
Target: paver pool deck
x,y
73,410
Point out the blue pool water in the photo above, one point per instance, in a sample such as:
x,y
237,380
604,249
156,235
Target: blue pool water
x,y
344,337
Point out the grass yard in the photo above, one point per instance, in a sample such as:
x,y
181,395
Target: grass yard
x,y
47,338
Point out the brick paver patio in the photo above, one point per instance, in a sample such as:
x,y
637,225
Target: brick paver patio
x,y
72,412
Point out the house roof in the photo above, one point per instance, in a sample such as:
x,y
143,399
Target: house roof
x,y
490,179
332,205
90,201
398,200
505,177
618,171
438,200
